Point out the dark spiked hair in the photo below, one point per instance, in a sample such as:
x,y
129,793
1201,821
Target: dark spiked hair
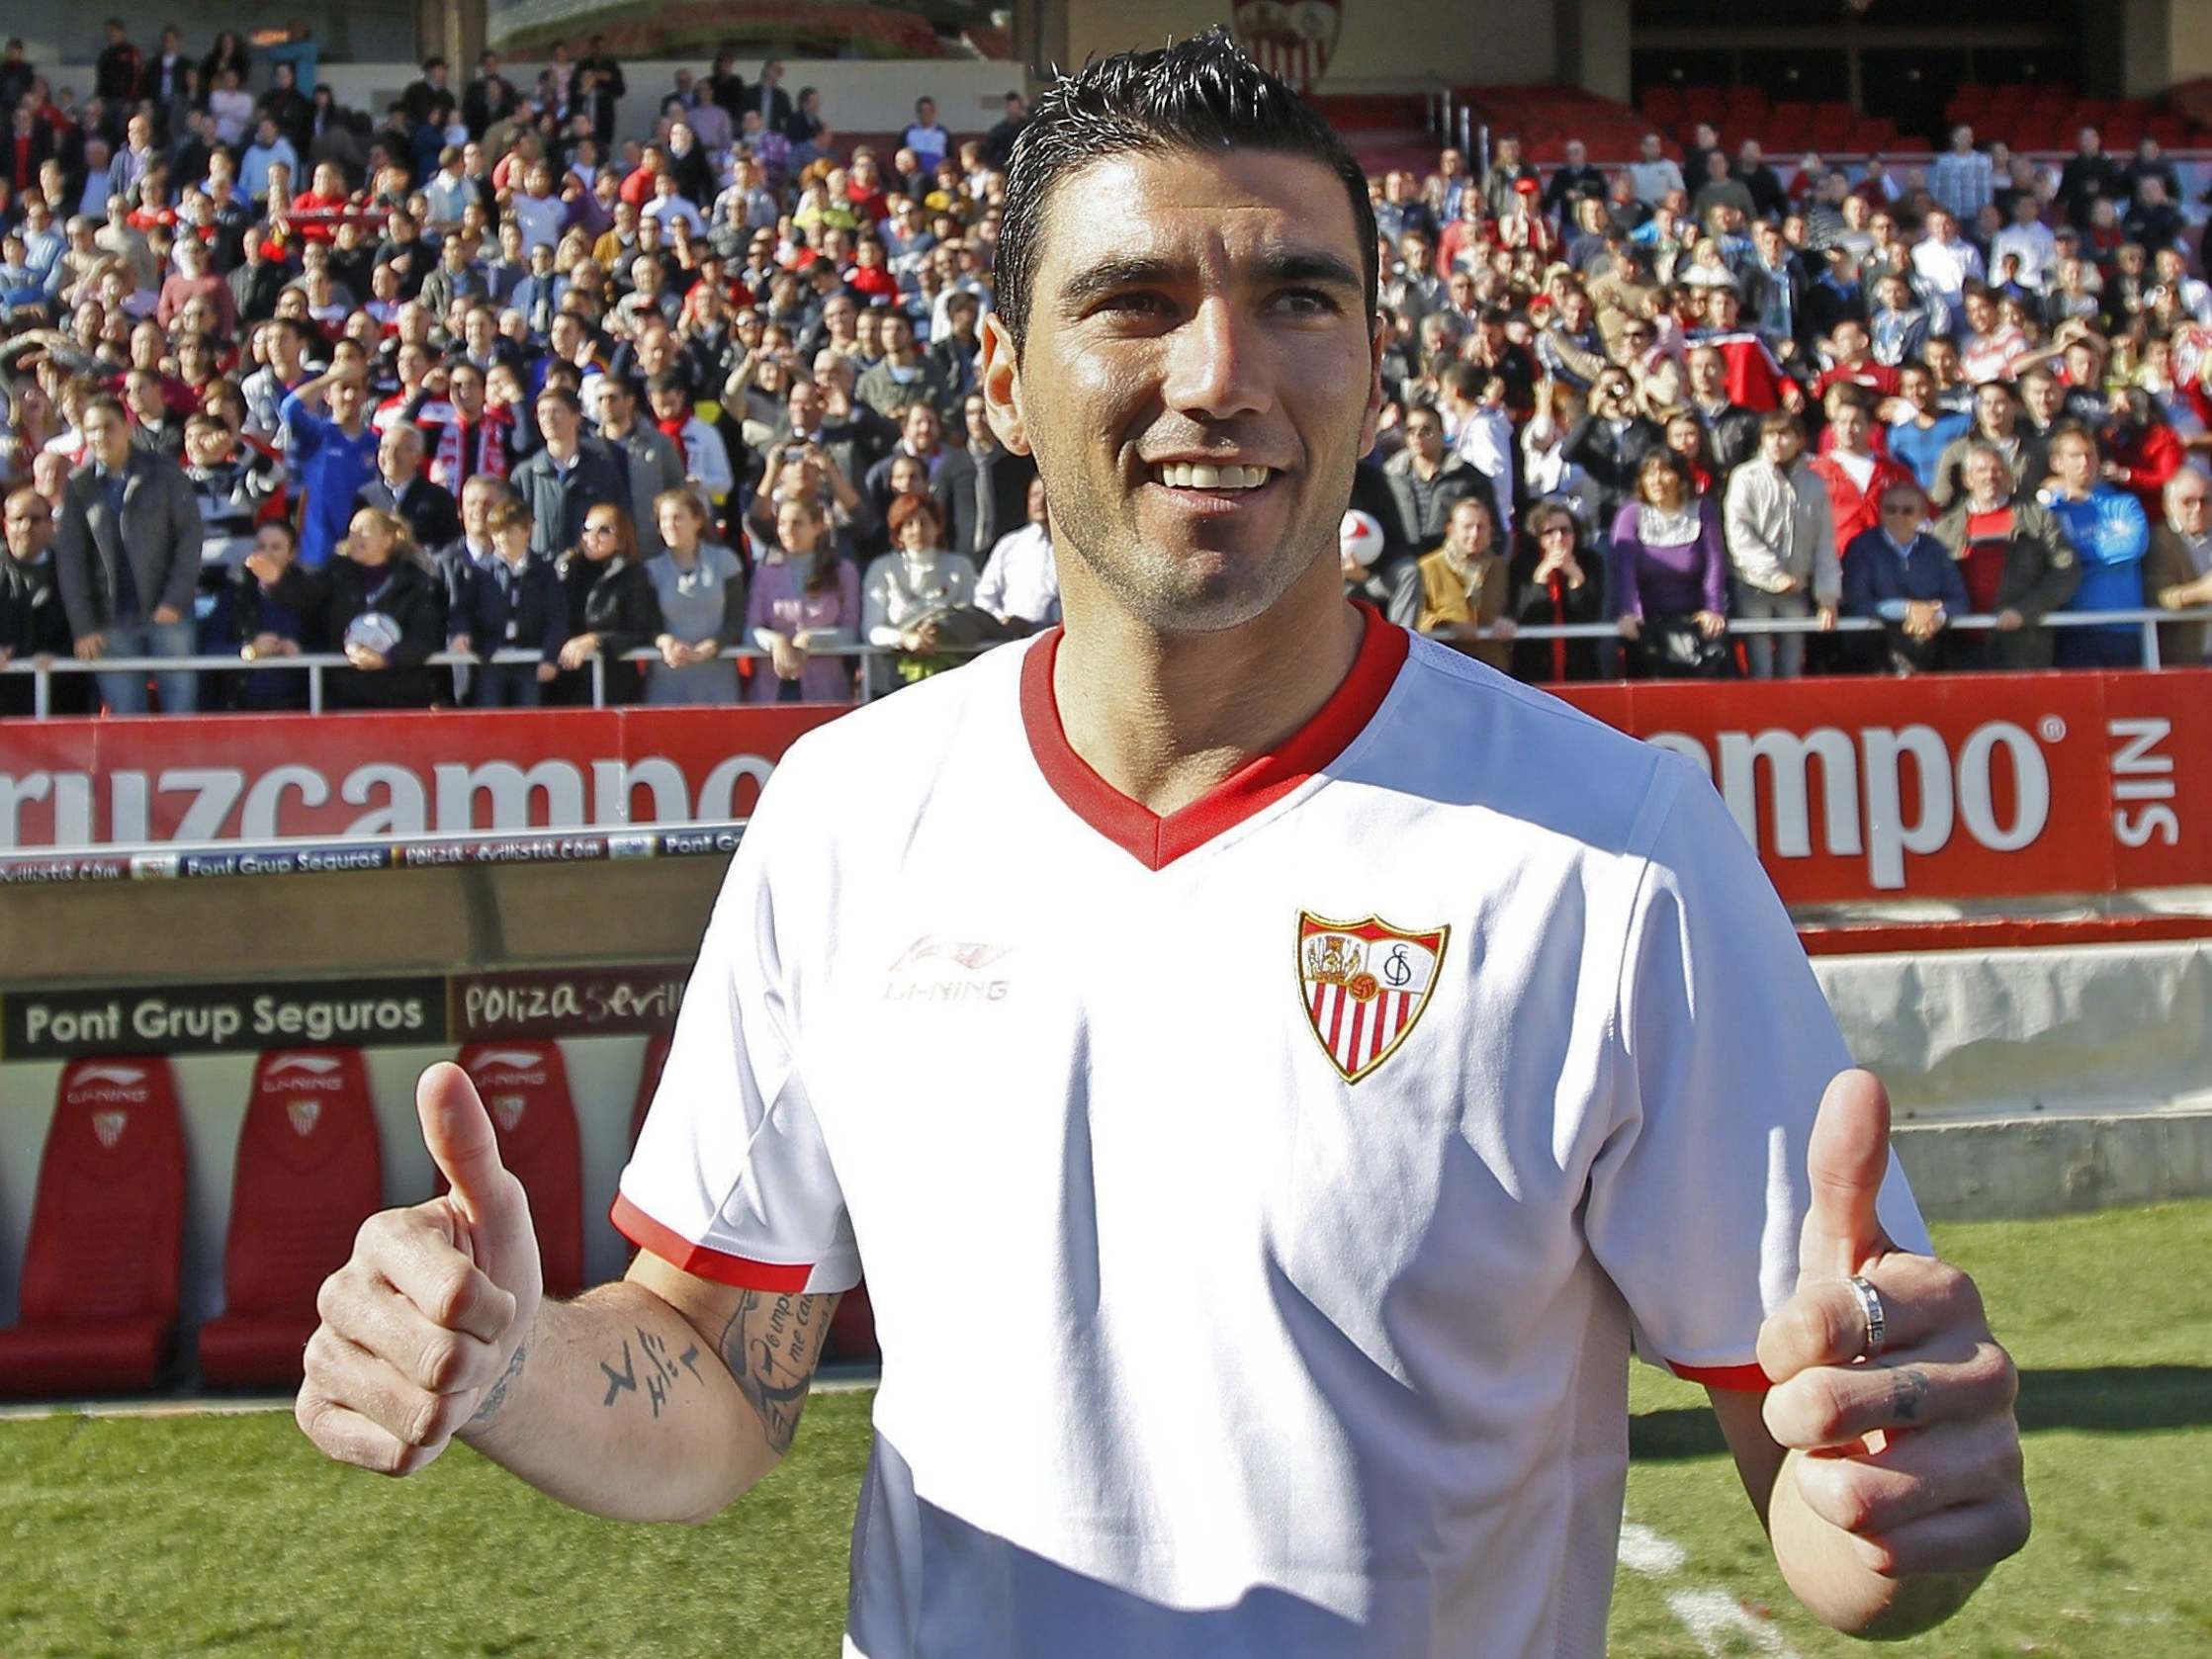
x,y
1197,94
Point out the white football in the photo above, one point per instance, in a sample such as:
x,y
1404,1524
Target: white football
x,y
1361,537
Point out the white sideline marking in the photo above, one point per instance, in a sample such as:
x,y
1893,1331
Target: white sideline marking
x,y
1714,1619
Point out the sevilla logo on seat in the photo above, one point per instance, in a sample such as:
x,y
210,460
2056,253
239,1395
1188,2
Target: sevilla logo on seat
x,y
507,1110
1293,40
304,1112
108,1125
1364,984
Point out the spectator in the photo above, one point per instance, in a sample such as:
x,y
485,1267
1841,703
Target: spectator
x,y
1611,442
400,486
654,464
127,561
2110,532
805,598
1466,585
909,594
1853,475
1553,582
1780,538
2012,558
1021,582
1899,574
1428,481
330,455
1654,176
1923,430
378,602
1719,187
2088,177
513,601
1501,185
34,623
1963,179
1575,182
701,591
980,485
1769,201
1996,423
2178,570
570,472
1667,575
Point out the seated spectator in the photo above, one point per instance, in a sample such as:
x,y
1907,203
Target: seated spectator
x,y
701,588
1899,574
2013,557
1667,575
1780,543
1466,585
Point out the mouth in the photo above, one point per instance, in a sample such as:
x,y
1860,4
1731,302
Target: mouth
x,y
1211,488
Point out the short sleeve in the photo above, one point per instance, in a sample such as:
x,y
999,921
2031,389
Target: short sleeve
x,y
731,1180
1721,1048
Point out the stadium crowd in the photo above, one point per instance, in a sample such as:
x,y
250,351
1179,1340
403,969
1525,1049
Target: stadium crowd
x,y
481,373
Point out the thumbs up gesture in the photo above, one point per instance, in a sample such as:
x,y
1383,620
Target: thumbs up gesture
x,y
423,1328
1885,1377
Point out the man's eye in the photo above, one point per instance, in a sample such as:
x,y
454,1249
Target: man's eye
x,y
1135,304
1308,302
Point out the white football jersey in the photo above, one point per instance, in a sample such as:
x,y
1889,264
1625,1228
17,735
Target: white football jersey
x,y
1259,1203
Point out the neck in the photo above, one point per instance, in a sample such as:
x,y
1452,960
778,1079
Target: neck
x,y
1165,717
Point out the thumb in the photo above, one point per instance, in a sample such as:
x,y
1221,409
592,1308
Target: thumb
x,y
1845,1160
458,1131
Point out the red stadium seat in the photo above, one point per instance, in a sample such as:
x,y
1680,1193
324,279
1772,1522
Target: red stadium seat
x,y
525,1086
649,1079
100,1268
308,1174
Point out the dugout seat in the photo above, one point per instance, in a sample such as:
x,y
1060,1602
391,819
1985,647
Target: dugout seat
x,y
105,1254
308,1174
648,1079
525,1088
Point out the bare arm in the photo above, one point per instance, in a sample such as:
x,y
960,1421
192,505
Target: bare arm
x,y
661,1397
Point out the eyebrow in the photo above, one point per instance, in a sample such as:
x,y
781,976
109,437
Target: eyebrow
x,y
1273,267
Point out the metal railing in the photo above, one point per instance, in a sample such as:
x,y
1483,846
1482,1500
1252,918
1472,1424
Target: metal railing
x,y
316,665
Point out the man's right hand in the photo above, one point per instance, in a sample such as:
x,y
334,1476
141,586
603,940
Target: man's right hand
x,y
425,1326
91,648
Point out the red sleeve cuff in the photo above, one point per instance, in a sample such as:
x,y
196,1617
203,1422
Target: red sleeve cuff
x,y
1742,1379
703,1262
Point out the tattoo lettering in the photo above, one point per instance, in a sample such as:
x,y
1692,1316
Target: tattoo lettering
x,y
1909,1391
617,1381
770,1346
662,1366
497,1395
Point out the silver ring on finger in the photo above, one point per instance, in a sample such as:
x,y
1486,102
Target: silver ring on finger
x,y
1877,1323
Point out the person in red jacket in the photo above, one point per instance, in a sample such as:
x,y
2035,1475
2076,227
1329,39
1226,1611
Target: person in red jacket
x,y
2142,451
1855,476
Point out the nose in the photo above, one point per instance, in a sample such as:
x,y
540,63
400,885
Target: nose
x,y
1217,364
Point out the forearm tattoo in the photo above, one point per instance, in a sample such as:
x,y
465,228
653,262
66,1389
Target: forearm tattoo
x,y
657,1364
769,1346
497,1396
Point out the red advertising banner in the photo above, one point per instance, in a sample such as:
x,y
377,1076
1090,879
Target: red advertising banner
x,y
1966,786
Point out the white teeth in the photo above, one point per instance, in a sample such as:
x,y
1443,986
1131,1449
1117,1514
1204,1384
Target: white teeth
x,y
1191,475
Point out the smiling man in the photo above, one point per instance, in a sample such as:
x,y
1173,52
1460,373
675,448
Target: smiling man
x,y
1260,1196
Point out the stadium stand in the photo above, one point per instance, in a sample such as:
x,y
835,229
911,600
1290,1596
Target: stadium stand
x,y
102,1266
525,1088
308,1174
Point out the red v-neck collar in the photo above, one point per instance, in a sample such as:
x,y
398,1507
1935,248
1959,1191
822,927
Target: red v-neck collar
x,y
1156,841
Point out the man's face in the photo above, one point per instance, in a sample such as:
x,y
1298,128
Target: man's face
x,y
1424,435
2190,504
397,457
345,401
207,444
1781,446
557,420
1993,408
106,437
1195,308
2075,461
1849,424
1708,375
30,524
1469,532
922,427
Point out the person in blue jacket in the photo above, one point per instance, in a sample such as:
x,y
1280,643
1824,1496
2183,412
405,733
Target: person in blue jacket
x,y
332,455
2111,533
1899,574
513,602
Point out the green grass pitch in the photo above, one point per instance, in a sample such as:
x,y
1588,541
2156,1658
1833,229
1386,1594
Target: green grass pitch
x,y
226,1535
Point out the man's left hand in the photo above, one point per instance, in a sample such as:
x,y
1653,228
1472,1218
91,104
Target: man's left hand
x,y
167,616
1912,1453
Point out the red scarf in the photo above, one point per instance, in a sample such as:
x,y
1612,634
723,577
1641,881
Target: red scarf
x,y
451,464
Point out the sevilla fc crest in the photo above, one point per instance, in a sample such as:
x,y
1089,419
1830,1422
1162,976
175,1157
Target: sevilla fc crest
x,y
1364,984
1291,40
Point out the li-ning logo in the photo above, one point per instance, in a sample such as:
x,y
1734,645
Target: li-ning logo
x,y
959,979
321,1072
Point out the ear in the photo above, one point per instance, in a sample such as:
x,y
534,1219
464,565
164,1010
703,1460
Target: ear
x,y
1371,418
999,378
